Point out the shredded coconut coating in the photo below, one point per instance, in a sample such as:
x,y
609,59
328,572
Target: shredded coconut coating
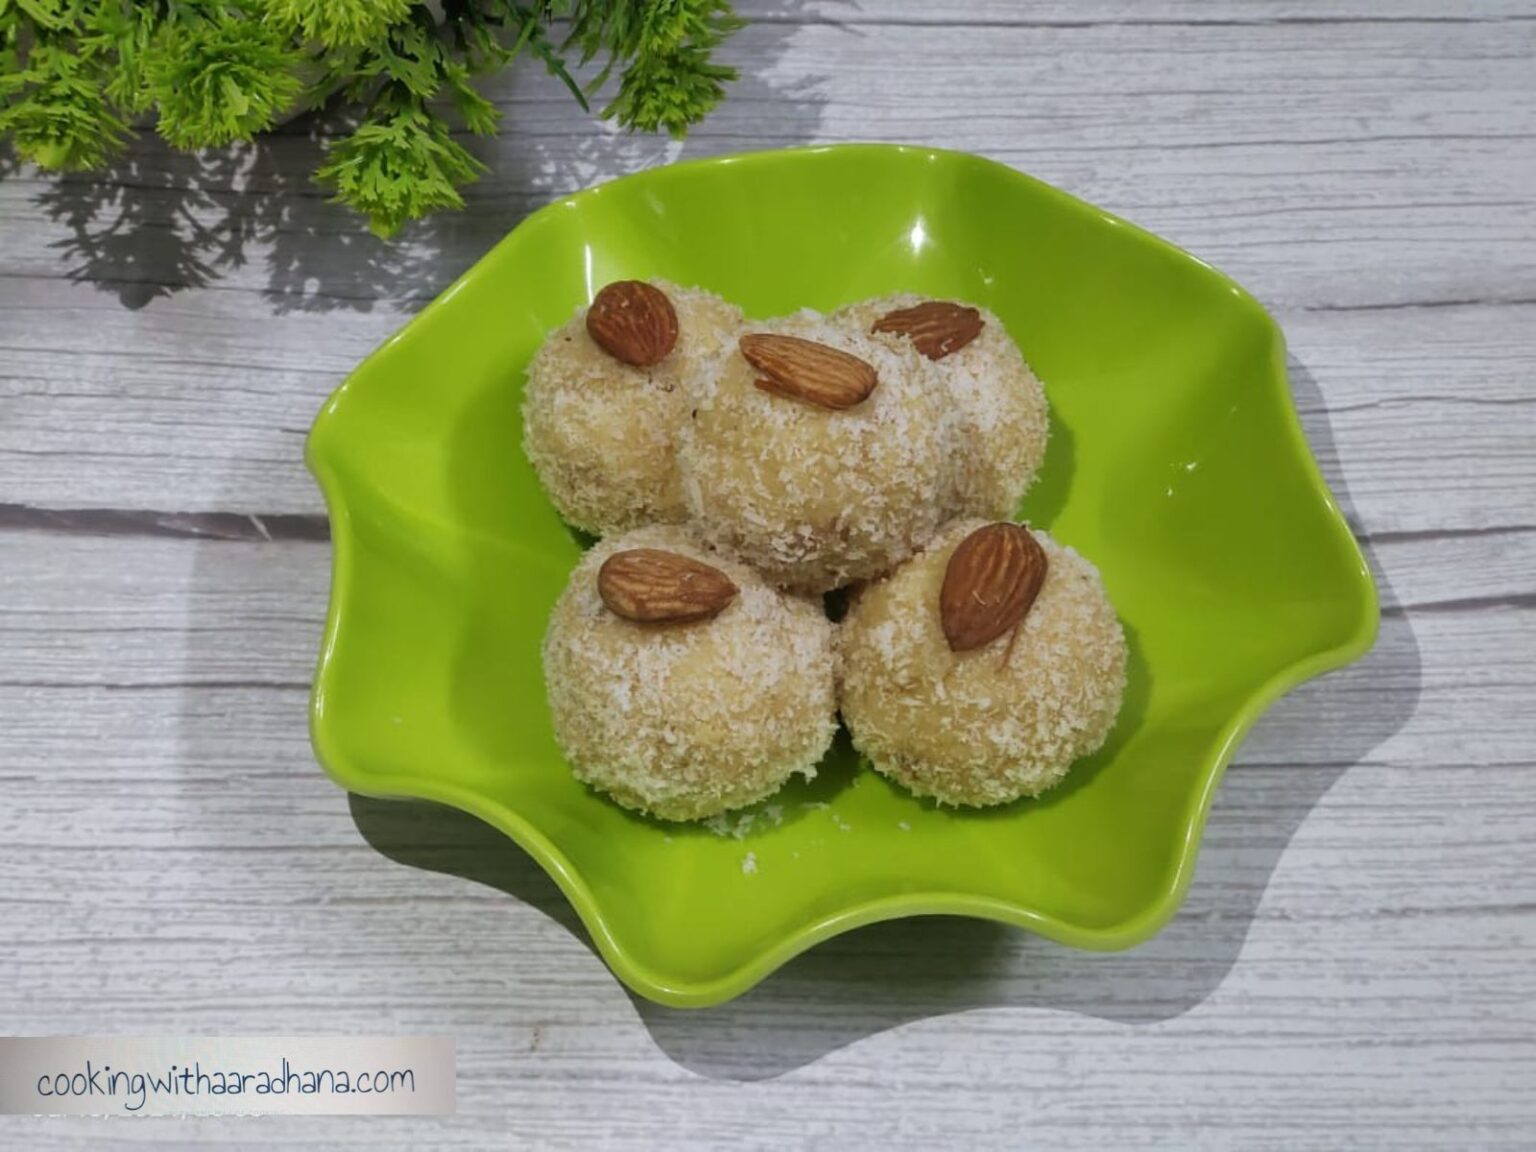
x,y
965,727
601,434
811,498
685,721
999,403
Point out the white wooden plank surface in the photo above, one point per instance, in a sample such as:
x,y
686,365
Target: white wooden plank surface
x,y
1353,967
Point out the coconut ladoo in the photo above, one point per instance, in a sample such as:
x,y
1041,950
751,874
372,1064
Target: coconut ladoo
x,y
680,682
1000,405
817,453
605,399
982,669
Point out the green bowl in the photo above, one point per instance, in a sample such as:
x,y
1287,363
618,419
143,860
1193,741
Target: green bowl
x,y
1176,464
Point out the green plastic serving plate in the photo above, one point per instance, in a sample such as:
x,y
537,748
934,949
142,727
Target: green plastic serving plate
x,y
1176,464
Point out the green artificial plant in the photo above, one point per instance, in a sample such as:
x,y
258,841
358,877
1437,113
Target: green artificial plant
x,y
76,75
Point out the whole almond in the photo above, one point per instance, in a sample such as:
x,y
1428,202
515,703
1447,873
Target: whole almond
x,y
634,322
808,371
651,586
935,327
992,580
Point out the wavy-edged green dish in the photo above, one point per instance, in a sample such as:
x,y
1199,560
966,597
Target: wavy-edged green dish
x,y
1176,463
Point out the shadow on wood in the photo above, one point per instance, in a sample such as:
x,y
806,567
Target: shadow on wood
x,y
441,839
154,221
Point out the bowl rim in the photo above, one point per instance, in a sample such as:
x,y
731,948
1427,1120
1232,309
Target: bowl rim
x,y
674,992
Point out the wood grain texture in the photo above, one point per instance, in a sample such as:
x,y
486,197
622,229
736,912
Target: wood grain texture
x,y
1353,966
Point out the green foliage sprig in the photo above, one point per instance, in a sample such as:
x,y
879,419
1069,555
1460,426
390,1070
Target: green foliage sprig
x,y
75,74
